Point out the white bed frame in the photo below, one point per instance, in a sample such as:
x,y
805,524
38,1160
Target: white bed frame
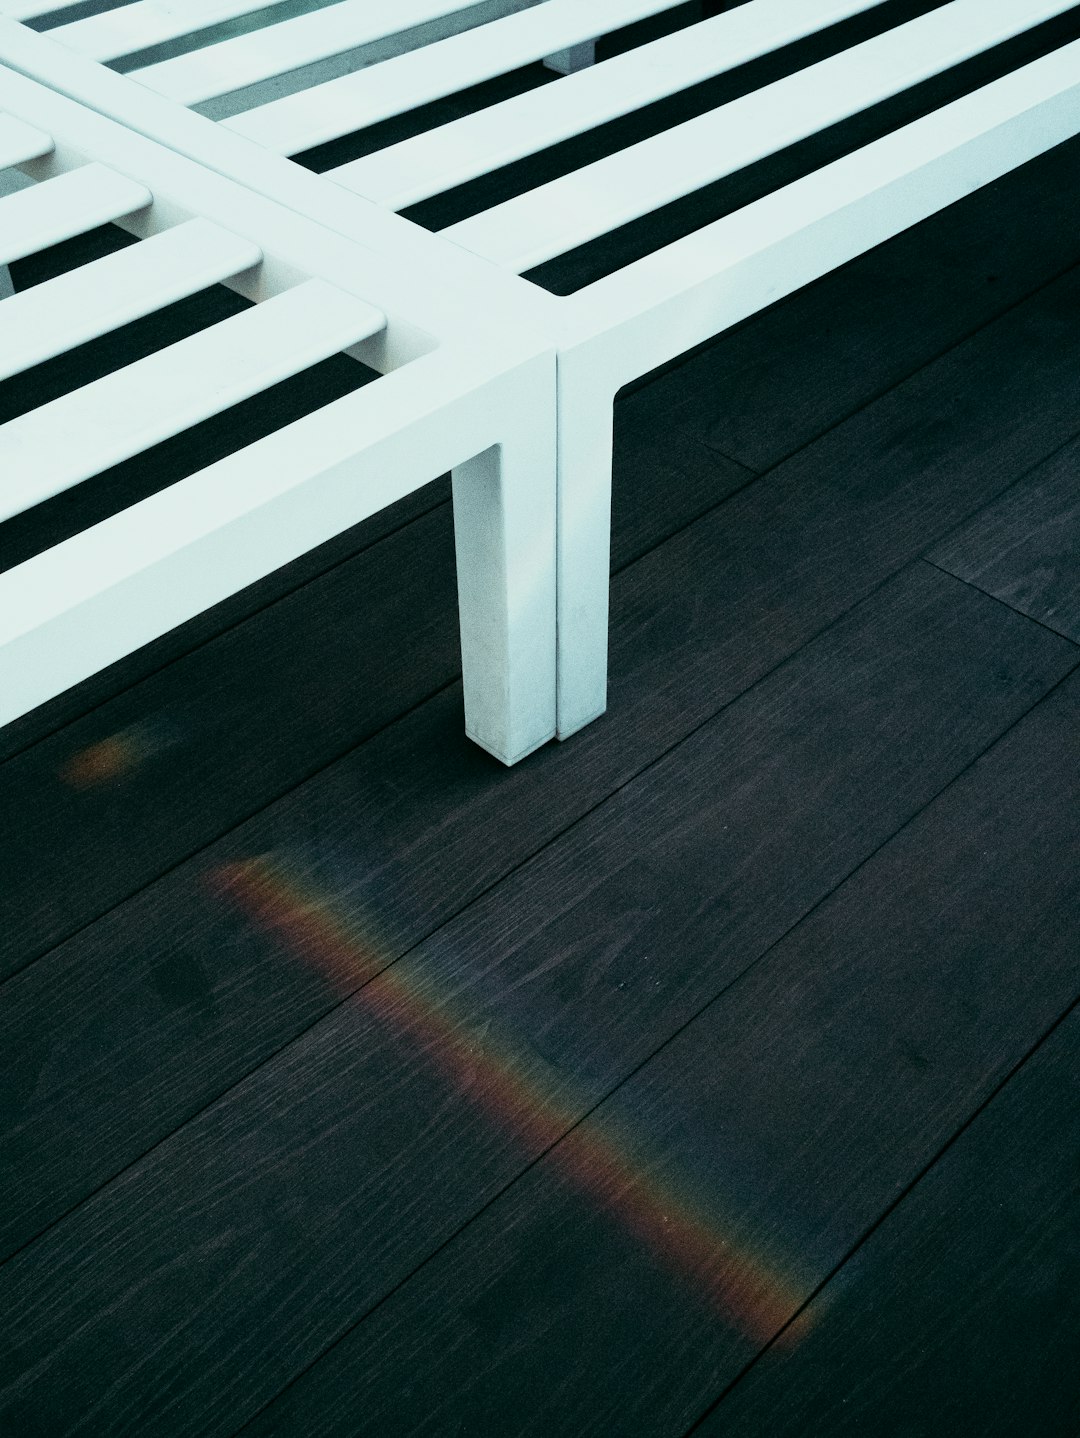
x,y
647,313
457,392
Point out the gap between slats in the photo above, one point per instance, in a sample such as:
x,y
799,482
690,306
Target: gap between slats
x,y
567,212
405,82
20,142
136,407
67,205
247,59
428,164
147,23
60,314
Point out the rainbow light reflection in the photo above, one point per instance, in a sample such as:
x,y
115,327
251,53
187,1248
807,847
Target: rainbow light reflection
x,y
508,1090
116,755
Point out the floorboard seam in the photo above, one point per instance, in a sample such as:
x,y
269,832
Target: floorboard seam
x,y
399,718
997,599
238,824
717,998
886,1214
450,918
1001,494
904,379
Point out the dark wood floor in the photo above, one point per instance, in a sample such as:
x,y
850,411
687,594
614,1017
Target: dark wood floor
x,y
714,1071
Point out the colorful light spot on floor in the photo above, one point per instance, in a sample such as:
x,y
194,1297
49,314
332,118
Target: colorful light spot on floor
x,y
504,1083
116,756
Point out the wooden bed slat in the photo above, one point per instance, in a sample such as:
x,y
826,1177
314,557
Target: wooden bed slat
x,y
137,407
247,59
67,205
20,142
32,9
146,23
430,163
567,212
54,317
352,102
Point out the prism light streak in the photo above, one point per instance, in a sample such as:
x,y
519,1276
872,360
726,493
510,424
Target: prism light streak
x,y
504,1084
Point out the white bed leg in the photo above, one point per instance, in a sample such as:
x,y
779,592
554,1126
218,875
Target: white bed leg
x,y
585,447
578,57
504,534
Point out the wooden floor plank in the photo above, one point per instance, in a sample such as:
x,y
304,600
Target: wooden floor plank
x,y
136,989
960,1314
695,622
444,828
309,1190
1025,549
629,1276
162,769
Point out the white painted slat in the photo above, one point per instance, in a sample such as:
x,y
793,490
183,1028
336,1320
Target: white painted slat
x,y
75,307
476,144
352,102
134,408
146,23
68,204
20,142
567,212
668,301
91,599
246,59
31,9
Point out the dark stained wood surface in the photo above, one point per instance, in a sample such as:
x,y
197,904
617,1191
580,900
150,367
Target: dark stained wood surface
x,y
134,995
1025,549
960,1314
630,1275
564,964
576,1079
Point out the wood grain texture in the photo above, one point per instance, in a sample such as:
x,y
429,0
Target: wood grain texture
x,y
1025,549
415,824
161,769
344,1142
752,1153
289,1207
960,1314
694,623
